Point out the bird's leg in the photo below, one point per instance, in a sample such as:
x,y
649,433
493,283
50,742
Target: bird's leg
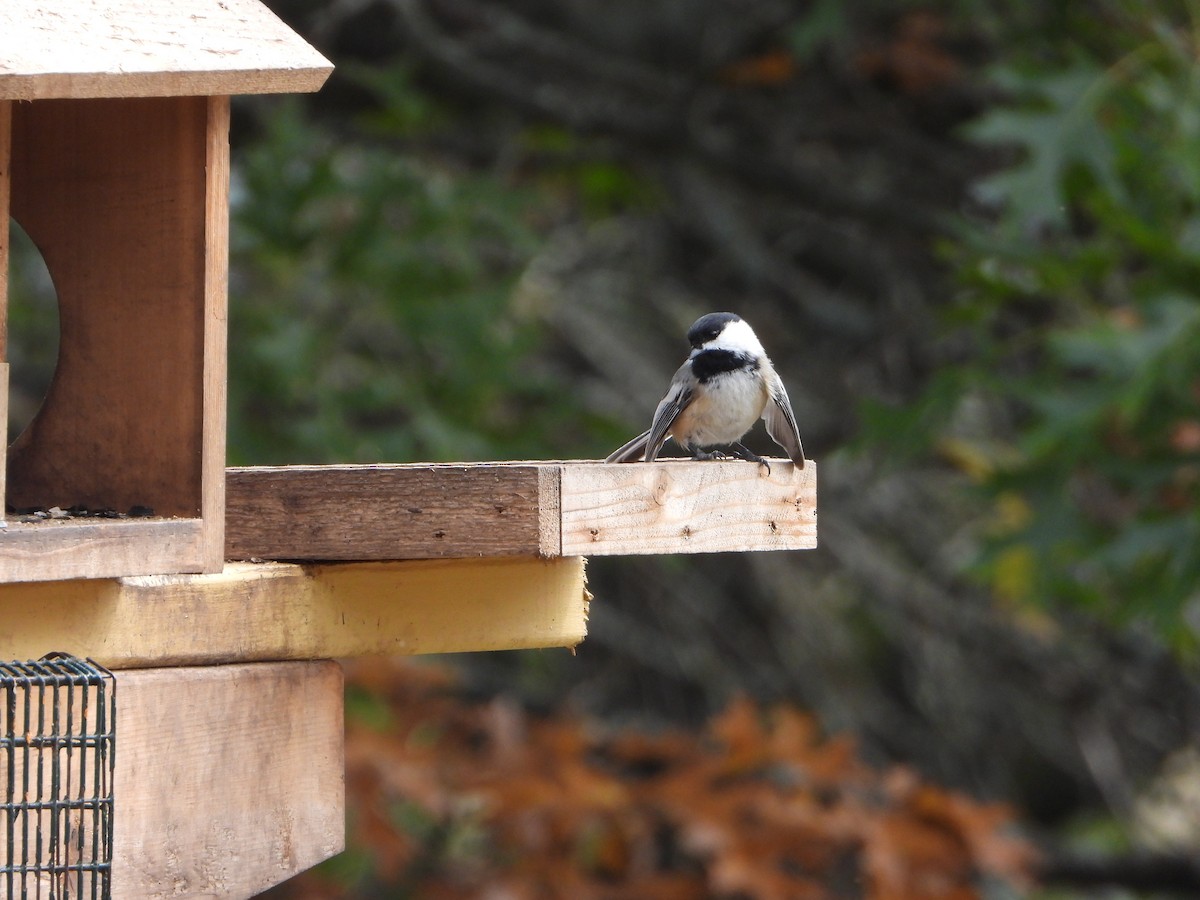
x,y
742,453
701,454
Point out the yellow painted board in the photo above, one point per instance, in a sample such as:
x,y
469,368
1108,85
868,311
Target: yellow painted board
x,y
280,611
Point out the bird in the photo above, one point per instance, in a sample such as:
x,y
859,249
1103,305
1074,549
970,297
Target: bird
x,y
724,386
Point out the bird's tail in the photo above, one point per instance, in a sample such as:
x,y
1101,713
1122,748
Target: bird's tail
x,y
631,452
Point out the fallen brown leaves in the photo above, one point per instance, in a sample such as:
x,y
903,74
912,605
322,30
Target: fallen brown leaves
x,y
915,59
451,798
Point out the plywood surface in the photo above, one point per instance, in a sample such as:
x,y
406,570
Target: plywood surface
x,y
280,611
547,509
143,48
229,779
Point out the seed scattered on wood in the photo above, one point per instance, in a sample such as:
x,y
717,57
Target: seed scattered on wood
x,y
30,514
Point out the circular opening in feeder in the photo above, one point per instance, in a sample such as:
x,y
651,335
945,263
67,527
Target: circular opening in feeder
x,y
32,330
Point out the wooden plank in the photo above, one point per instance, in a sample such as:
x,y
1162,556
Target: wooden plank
x,y
229,779
680,506
98,548
214,362
113,193
5,166
3,440
137,48
282,611
385,511
550,509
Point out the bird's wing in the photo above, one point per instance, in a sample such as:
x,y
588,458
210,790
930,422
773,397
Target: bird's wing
x,y
781,421
679,395
647,444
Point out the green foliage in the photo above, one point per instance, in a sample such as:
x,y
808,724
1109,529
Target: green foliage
x,y
370,314
1083,297
32,329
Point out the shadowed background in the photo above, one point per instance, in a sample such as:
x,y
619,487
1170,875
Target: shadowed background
x,y
968,235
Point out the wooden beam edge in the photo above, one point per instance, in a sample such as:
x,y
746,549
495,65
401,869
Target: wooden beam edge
x,y
280,611
229,779
5,183
686,506
54,551
517,509
5,169
215,364
102,85
385,511
550,511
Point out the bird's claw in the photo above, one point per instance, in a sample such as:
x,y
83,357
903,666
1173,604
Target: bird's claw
x,y
736,451
750,456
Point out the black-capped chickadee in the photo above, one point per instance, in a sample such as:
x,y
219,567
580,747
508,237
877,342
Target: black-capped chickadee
x,y
717,395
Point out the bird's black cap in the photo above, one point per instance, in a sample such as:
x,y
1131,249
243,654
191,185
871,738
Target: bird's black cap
x,y
708,327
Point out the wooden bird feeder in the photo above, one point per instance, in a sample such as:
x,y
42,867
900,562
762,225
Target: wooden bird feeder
x,y
219,612
114,158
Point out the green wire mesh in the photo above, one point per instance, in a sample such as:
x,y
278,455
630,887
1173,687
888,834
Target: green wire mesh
x,y
57,744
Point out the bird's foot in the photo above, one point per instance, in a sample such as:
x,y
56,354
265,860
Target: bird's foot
x,y
736,451
742,453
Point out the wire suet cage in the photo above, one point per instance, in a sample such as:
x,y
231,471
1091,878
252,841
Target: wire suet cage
x,y
57,745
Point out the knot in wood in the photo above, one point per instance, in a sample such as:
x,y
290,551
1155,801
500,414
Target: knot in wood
x,y
661,487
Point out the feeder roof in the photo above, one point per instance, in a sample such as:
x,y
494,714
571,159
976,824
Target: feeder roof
x,y
150,48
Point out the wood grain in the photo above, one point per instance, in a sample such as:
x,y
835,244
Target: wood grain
x,y
547,509
681,506
384,511
5,166
3,440
98,548
229,779
214,363
278,611
113,194
128,202
140,48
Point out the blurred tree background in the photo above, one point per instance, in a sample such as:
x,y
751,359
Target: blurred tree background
x,y
969,234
